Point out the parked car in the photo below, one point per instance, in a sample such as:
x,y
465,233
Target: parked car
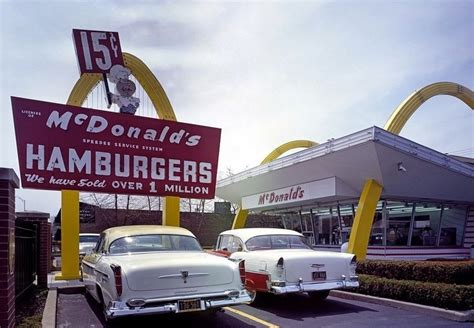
x,y
87,242
279,261
153,269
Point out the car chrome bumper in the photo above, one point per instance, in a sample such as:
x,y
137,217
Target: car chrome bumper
x,y
351,282
120,308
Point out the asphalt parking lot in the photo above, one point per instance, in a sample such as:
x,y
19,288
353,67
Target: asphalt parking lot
x,y
79,310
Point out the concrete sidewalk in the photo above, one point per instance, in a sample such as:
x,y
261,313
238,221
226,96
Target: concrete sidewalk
x,y
50,310
66,305
53,283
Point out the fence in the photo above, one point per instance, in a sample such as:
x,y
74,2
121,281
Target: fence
x,y
26,256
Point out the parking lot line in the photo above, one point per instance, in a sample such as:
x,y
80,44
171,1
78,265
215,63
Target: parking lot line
x,y
251,317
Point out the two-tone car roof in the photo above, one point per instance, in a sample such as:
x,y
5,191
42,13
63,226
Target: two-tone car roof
x,y
246,233
134,230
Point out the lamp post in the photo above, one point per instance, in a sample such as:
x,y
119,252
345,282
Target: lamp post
x,y
24,202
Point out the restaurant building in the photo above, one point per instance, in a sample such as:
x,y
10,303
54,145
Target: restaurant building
x,y
426,208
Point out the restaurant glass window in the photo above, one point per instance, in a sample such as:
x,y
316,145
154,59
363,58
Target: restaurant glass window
x,y
347,213
326,223
426,224
291,220
378,226
307,226
399,220
452,225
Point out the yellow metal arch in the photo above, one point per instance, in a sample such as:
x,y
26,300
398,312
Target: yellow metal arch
x,y
241,216
372,190
280,150
144,76
70,198
404,111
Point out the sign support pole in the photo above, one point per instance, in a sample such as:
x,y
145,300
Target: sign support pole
x,y
171,211
69,235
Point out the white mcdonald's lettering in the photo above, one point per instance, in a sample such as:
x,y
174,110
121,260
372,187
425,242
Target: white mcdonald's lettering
x,y
99,124
272,197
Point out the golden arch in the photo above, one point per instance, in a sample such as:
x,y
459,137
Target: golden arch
x,y
372,190
241,215
70,198
280,150
403,112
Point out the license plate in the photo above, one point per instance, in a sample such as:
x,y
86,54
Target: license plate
x,y
319,275
189,305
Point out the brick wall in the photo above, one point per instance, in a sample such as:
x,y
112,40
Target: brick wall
x,y
8,183
206,226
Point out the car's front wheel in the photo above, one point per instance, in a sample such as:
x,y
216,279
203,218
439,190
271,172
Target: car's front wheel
x,y
319,295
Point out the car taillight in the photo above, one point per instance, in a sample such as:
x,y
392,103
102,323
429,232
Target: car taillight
x,y
280,263
242,271
117,277
353,264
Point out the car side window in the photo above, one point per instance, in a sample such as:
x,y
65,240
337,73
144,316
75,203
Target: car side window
x,y
100,244
225,243
237,245
259,242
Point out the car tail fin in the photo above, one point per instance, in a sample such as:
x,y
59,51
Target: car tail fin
x,y
281,263
117,277
242,271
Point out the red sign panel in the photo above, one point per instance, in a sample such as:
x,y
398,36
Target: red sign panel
x,y
97,51
68,147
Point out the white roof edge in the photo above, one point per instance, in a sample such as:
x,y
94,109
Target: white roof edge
x,y
373,133
247,233
422,152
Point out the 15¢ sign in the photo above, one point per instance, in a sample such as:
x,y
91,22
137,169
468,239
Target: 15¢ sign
x,y
97,51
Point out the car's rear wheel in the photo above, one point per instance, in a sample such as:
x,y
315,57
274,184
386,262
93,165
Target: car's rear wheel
x,y
255,296
319,295
102,304
213,312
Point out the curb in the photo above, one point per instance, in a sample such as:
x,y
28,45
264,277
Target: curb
x,y
49,312
424,309
71,290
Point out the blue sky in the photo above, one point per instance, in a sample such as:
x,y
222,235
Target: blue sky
x,y
265,72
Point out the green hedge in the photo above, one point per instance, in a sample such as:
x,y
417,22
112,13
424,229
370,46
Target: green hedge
x,y
447,296
449,272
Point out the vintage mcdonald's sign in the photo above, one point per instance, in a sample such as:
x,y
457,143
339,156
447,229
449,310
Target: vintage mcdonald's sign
x,y
68,147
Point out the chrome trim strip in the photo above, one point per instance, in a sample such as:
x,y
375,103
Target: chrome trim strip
x,y
179,275
309,287
189,296
120,309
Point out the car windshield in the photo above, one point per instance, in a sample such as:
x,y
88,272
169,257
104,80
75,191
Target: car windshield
x,y
88,239
154,243
276,242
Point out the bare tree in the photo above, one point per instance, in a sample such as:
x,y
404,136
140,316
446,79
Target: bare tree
x,y
121,202
228,173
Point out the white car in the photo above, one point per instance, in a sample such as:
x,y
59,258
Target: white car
x,y
152,269
87,242
279,261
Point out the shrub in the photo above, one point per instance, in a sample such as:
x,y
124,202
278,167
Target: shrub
x,y
449,272
447,296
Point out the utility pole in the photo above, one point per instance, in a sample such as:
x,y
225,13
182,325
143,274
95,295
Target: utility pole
x,y
24,202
